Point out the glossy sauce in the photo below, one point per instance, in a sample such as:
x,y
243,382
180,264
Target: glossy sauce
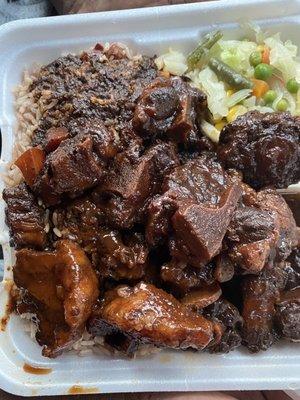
x,y
36,370
76,389
293,200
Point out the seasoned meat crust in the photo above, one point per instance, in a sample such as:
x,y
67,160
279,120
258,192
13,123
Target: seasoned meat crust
x,y
92,86
153,315
25,218
61,287
264,147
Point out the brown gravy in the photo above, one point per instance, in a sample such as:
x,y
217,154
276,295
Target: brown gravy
x,y
36,370
76,389
293,200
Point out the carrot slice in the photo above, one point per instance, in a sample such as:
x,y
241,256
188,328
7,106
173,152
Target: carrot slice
x,y
260,87
54,137
31,163
265,57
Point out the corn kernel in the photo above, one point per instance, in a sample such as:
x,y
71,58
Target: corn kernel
x,y
235,112
229,92
220,125
260,48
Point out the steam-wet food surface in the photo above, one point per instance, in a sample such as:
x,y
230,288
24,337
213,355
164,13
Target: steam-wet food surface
x,y
133,227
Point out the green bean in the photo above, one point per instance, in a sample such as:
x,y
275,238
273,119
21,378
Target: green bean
x,y
195,57
229,75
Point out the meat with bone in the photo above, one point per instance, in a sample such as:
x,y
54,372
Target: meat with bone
x,y
264,147
288,314
62,287
260,294
263,232
170,108
148,313
25,218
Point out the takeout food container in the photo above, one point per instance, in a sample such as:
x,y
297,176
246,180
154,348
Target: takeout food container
x,y
149,31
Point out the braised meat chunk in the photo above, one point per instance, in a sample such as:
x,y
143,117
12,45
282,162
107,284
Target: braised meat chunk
x,y
154,316
293,270
54,137
227,315
202,180
199,230
79,220
62,287
197,191
263,231
169,108
182,278
121,258
252,238
132,182
25,218
198,299
260,293
264,147
69,170
105,139
288,314
269,200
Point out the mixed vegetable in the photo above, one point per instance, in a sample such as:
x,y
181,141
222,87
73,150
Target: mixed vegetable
x,y
240,75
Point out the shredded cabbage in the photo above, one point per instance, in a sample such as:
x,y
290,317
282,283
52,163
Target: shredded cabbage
x,y
173,61
236,54
255,31
250,102
237,97
262,109
216,94
210,131
283,57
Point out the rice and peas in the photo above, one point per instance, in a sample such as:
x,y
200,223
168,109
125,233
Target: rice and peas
x,y
237,76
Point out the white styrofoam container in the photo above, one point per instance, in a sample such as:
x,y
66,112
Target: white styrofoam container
x,y
149,31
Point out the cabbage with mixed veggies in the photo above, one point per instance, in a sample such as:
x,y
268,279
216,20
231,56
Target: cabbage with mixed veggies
x,y
240,75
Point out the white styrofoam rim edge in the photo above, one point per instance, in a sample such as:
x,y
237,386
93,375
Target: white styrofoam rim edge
x,y
7,382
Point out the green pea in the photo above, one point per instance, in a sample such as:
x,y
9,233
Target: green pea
x,y
282,105
263,71
255,58
270,96
292,86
